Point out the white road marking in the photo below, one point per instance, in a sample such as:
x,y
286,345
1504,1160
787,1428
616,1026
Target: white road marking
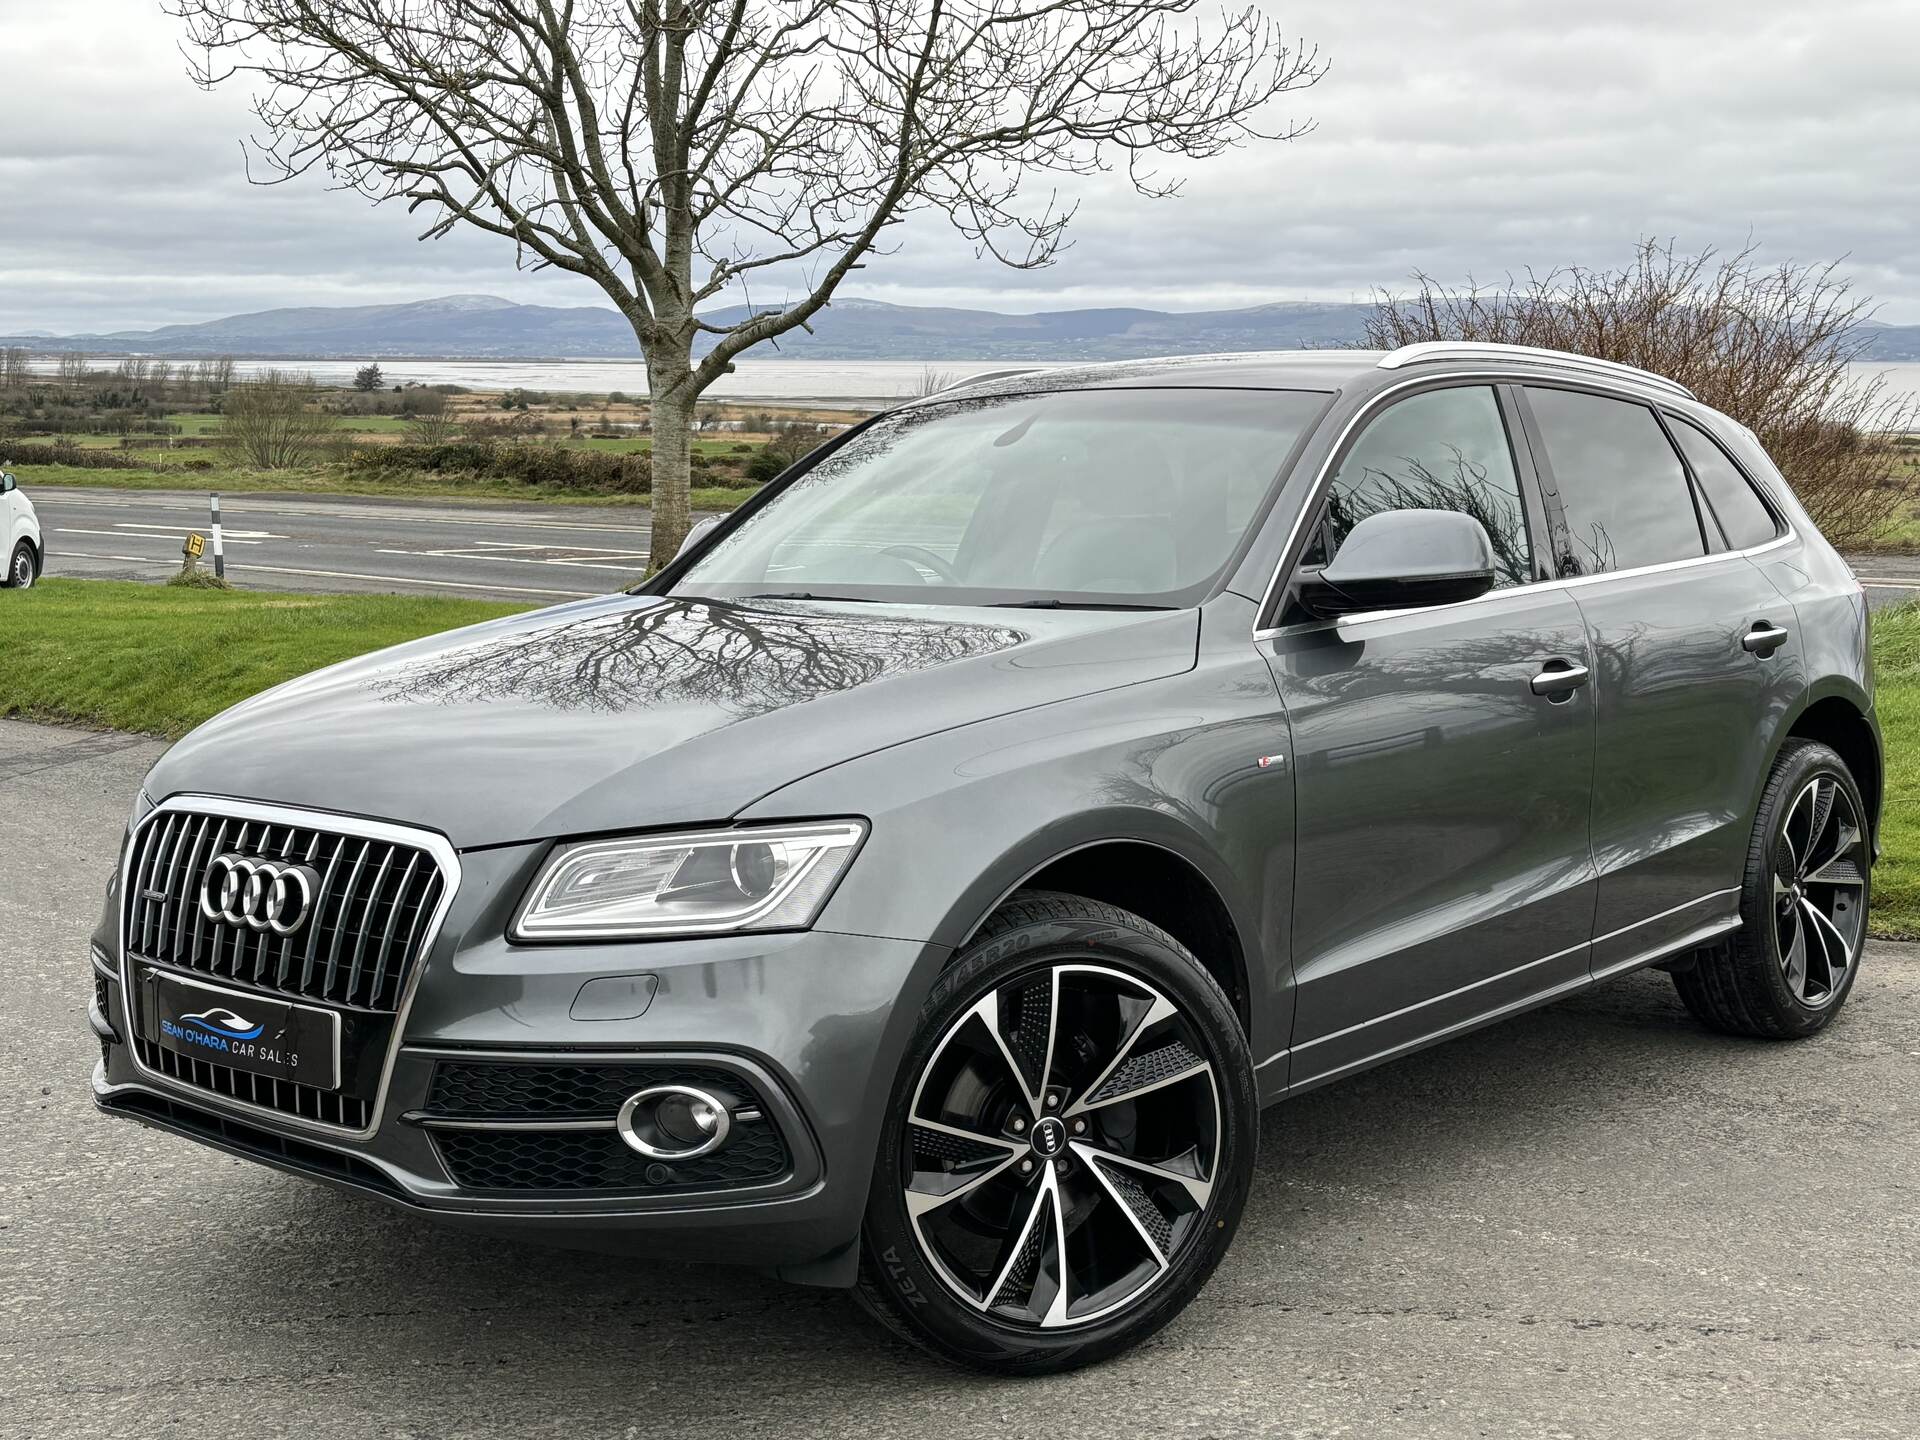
x,y
86,555
639,561
183,529
138,499
173,537
1878,583
342,575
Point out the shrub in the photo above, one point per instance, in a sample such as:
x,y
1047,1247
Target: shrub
x,y
486,428
1768,346
554,466
269,421
78,456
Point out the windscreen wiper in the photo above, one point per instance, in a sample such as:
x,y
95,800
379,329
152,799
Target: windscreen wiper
x,y
1074,605
809,595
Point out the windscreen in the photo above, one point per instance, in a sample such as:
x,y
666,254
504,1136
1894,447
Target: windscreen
x,y
1123,497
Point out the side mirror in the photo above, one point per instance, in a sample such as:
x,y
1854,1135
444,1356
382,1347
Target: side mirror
x,y
1400,560
7,483
697,534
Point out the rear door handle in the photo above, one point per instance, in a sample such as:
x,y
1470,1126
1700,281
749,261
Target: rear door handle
x,y
1763,639
1560,677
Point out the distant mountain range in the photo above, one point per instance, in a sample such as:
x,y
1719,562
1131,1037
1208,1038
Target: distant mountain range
x,y
484,327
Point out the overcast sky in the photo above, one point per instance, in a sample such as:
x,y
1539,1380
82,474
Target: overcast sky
x,y
1455,136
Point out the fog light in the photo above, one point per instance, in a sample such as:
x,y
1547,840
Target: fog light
x,y
674,1122
687,1120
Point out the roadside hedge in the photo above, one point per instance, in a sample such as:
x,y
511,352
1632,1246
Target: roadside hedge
x,y
588,471
592,472
81,457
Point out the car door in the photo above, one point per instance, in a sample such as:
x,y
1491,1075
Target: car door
x,y
1442,866
13,518
1696,663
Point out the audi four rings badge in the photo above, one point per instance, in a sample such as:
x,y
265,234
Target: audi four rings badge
x,y
260,894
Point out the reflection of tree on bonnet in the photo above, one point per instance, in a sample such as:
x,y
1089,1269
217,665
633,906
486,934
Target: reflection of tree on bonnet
x,y
746,660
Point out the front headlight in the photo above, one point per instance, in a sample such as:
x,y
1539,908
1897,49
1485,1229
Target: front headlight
x,y
771,878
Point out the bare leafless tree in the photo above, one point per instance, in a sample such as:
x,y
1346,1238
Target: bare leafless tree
x,y
1770,345
932,381
430,418
14,368
674,151
270,422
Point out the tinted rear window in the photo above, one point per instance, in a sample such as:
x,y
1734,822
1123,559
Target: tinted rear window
x,y
1743,516
1625,492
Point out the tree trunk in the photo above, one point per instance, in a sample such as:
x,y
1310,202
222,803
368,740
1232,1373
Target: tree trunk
x,y
670,378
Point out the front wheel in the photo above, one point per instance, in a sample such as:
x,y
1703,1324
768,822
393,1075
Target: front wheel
x,y
20,566
1790,967
1067,1152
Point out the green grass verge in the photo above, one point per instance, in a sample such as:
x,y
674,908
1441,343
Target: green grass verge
x,y
1896,879
326,480
159,660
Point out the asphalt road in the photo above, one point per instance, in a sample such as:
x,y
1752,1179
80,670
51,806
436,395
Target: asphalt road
x,y
329,543
1889,579
1596,1220
507,551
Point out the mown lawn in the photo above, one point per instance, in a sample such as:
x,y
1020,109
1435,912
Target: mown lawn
x,y
1896,880
330,480
160,660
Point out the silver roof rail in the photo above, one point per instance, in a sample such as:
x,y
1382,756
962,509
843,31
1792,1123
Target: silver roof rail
x,y
1431,350
982,378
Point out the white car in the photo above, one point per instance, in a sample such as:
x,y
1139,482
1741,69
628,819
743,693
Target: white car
x,y
26,554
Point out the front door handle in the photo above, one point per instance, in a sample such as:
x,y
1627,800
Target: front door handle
x,y
1763,639
1559,678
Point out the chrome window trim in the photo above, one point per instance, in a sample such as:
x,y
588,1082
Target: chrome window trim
x,y
1323,478
435,844
1427,351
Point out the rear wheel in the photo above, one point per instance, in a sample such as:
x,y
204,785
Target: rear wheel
x,y
1068,1149
1786,972
20,566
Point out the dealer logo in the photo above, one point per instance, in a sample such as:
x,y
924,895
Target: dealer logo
x,y
259,894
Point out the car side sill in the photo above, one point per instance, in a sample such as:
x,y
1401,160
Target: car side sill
x,y
1700,935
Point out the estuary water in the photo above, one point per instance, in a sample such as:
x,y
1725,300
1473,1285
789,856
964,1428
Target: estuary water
x,y
854,383
874,383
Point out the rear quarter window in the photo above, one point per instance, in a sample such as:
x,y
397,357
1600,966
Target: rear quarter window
x,y
1743,515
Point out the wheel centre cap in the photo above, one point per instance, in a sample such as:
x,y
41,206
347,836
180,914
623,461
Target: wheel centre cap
x,y
1049,1137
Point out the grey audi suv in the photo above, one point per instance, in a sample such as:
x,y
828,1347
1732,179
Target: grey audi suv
x,y
922,883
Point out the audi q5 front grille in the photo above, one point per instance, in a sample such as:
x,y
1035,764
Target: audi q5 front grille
x,y
359,932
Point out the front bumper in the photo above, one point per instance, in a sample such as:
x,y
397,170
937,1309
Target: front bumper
x,y
807,1028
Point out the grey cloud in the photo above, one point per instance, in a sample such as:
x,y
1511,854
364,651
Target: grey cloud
x,y
1468,137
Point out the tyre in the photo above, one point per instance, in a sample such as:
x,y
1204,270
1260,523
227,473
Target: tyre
x,y
1790,967
20,567
1067,1150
